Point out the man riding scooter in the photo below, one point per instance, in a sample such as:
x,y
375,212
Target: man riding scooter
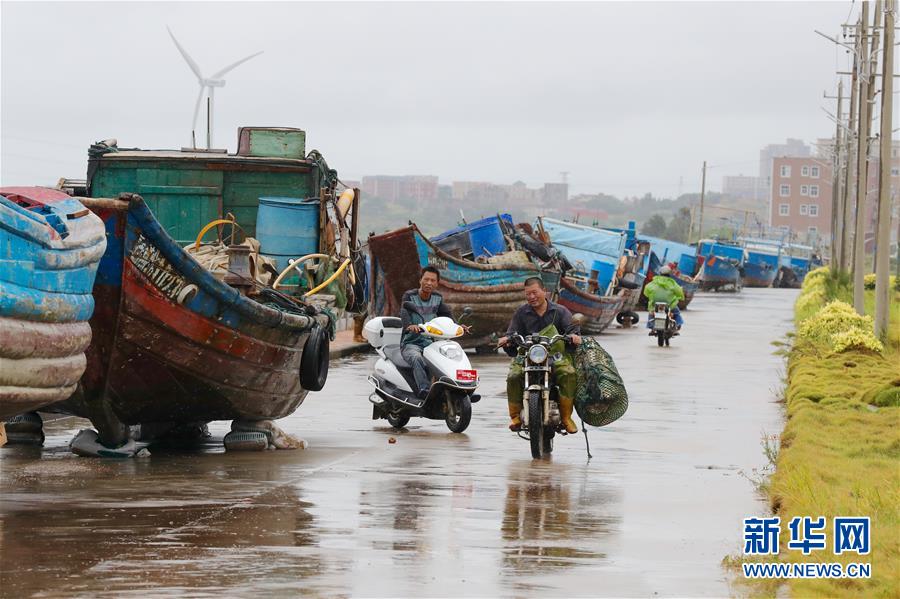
x,y
429,304
665,289
540,315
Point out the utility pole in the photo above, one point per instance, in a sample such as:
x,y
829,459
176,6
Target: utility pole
x,y
848,190
691,227
859,241
702,195
837,208
883,240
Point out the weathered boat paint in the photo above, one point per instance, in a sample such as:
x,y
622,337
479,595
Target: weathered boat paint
x,y
50,246
598,310
758,273
182,346
493,292
721,266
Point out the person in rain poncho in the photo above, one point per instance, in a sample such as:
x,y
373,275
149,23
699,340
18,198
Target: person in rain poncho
x,y
664,289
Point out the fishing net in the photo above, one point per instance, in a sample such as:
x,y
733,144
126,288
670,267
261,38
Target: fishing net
x,y
600,397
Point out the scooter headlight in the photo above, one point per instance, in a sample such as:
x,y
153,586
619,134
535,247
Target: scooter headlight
x,y
451,351
537,354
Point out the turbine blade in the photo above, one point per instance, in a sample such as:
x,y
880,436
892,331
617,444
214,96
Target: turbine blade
x,y
218,74
187,57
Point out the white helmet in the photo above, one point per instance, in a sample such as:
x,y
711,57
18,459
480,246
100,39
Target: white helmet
x,y
665,270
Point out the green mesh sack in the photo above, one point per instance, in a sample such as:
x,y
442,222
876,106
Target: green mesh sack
x,y
600,397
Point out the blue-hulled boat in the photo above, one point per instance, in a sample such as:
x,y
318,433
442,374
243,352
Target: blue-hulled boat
x,y
50,245
493,289
761,265
680,257
795,262
721,264
593,288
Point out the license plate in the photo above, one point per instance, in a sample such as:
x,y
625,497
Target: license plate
x,y
467,376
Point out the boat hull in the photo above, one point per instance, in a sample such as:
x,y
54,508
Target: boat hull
x,y
598,310
49,250
719,274
758,275
493,292
177,346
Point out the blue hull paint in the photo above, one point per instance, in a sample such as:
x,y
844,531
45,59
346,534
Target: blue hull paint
x,y
758,274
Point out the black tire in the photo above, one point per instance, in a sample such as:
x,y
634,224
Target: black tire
x,y
660,338
314,361
548,441
620,318
667,341
463,414
398,421
635,318
536,424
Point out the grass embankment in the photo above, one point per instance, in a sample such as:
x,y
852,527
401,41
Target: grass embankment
x,y
840,449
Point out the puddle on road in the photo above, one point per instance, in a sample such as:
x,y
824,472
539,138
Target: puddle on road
x,y
434,513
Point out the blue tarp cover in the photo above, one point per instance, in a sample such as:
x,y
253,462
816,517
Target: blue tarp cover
x,y
582,244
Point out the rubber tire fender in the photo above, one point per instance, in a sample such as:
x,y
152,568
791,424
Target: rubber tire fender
x,y
314,361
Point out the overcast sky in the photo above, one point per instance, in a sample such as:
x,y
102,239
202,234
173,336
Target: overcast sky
x,y
628,98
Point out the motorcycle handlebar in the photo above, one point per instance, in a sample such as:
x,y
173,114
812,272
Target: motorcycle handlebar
x,y
520,340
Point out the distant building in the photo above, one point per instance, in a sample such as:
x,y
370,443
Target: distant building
x,y
794,148
445,193
555,194
742,187
801,194
421,188
382,186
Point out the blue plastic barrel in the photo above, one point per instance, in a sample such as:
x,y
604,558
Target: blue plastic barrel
x,y
487,237
287,228
605,272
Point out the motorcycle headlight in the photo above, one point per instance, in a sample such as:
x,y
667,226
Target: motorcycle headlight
x,y
452,352
537,354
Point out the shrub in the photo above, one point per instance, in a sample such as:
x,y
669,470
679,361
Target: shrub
x,y
838,328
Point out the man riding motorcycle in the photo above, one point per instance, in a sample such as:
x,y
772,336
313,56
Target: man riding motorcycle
x,y
430,304
663,288
540,315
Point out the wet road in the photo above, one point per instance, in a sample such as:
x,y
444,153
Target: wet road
x,y
434,514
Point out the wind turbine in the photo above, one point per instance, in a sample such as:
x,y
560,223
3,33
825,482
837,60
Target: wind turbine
x,y
210,83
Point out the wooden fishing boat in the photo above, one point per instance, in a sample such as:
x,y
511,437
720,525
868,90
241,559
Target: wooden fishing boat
x,y
598,310
177,346
177,343
50,245
492,290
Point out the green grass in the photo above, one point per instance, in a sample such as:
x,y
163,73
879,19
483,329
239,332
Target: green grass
x,y
840,451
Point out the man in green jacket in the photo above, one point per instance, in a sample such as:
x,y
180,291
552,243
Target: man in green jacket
x,y
663,288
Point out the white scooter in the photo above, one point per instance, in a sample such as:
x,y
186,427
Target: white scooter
x,y
452,390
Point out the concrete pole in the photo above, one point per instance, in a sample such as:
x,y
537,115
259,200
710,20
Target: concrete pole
x,y
848,190
859,241
702,195
883,240
837,207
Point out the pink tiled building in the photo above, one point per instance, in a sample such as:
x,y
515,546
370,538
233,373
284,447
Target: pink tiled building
x,y
801,197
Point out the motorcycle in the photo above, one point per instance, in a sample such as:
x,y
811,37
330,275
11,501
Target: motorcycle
x,y
454,383
540,415
662,324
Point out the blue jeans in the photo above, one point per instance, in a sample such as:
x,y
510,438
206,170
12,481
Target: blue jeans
x,y
676,314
